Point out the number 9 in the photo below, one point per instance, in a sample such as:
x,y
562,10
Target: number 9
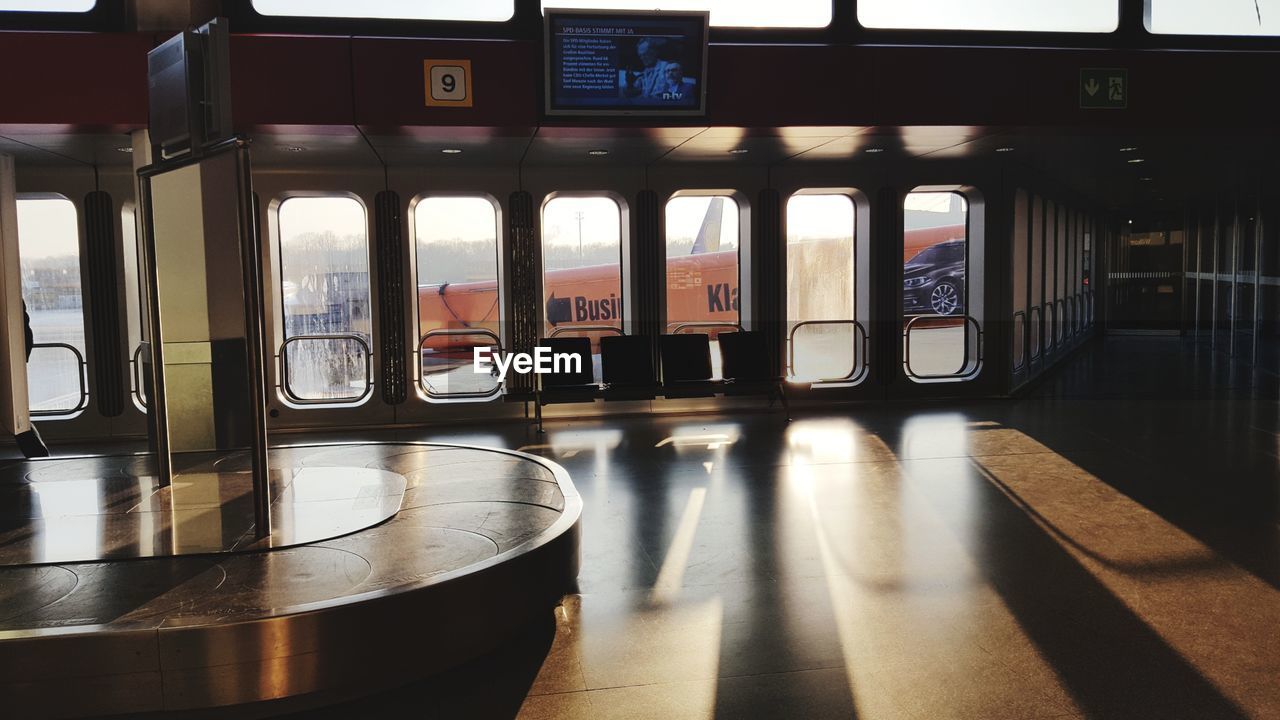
x,y
448,83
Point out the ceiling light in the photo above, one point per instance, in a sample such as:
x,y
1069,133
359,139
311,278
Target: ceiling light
x,y
451,151
875,150
1128,149
1144,178
125,149
1135,161
598,153
739,151
291,148
1004,149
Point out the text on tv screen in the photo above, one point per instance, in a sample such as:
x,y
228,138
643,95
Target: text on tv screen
x,y
602,63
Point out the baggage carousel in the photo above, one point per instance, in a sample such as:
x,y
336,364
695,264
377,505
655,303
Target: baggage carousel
x,y
387,562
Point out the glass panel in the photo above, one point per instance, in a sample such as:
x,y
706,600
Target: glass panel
x,y
49,255
702,267
724,13
483,10
582,267
60,6
820,286
1090,16
1197,17
457,239
935,261
324,272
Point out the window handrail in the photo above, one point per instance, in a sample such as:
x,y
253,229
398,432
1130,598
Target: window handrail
x,y
585,328
135,366
456,332
368,369
962,374
856,374
81,366
1026,329
675,330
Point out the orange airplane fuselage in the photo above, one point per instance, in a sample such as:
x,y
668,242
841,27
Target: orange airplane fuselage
x,y
701,288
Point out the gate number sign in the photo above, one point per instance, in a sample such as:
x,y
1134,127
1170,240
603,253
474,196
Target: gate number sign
x,y
448,83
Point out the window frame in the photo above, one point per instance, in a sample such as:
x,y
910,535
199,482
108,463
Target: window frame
x,y
743,207
85,376
974,276
861,274
277,351
499,267
624,322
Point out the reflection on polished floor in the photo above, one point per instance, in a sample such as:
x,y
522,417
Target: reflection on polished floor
x,y
1106,547
104,508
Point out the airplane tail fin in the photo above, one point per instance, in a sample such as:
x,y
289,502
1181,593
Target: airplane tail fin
x,y
709,234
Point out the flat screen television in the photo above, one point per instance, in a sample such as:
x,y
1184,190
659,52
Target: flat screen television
x,y
603,62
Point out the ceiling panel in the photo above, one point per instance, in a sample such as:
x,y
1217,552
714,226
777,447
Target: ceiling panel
x,y
59,149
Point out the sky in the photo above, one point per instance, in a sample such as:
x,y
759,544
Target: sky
x,y
340,215
47,5
1059,15
734,13
493,10
1222,17
724,13
47,228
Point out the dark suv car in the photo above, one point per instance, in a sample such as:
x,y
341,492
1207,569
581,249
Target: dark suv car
x,y
933,280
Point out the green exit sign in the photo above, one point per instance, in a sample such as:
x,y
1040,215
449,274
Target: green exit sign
x,y
1104,88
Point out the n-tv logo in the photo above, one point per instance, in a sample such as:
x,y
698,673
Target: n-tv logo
x,y
722,297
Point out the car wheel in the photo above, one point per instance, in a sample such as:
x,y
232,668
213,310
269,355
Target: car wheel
x,y
945,298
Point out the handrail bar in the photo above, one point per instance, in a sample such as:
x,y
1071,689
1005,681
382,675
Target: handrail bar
x,y
675,330
1026,329
81,366
960,374
286,377
856,374
585,328
456,332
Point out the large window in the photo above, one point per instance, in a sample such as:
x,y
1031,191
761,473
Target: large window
x,y
724,13
1197,17
67,6
935,283
582,268
324,277
823,340
1086,16
459,302
702,267
482,10
49,255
